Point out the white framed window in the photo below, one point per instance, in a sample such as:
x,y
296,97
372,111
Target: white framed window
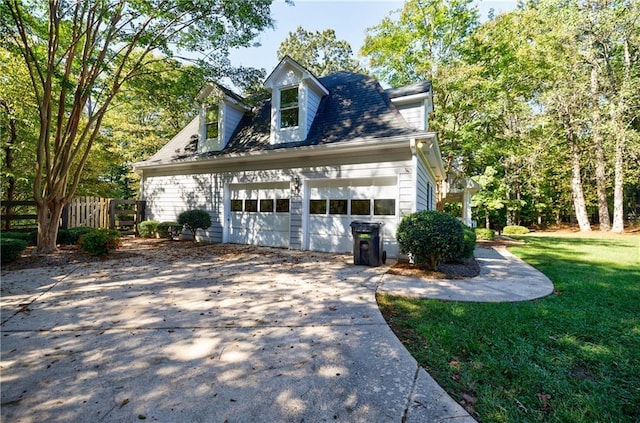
x,y
212,114
289,108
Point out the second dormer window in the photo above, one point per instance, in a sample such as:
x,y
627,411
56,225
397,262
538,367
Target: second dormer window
x,y
212,122
289,111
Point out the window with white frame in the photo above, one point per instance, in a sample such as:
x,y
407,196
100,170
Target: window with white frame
x,y
289,110
212,113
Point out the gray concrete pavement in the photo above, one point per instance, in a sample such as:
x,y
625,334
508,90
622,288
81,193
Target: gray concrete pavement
x,y
503,278
214,336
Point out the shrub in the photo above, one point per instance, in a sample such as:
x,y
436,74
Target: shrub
x,y
168,229
30,237
468,245
100,241
71,236
10,248
430,236
515,230
148,228
486,234
192,220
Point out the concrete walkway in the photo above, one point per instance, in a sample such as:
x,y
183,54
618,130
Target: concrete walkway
x,y
214,334
503,278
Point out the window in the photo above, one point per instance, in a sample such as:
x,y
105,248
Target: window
x,y
282,205
251,205
236,205
318,206
212,122
384,207
289,107
361,207
266,205
337,206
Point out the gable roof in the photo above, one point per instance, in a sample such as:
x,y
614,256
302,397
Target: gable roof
x,y
306,74
356,108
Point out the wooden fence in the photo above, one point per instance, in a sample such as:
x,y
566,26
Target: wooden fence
x,y
93,212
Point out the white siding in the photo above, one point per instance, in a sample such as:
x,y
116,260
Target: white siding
x,y
232,117
425,188
313,101
168,196
413,114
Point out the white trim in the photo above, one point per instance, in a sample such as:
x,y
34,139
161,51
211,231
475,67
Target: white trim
x,y
226,212
354,146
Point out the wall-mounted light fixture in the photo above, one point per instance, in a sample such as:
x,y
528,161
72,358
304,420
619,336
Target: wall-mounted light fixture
x,y
296,185
420,144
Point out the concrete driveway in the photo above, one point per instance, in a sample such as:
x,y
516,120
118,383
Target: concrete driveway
x,y
207,333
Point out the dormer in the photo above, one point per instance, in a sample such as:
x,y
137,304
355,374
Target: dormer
x,y
414,102
220,113
295,97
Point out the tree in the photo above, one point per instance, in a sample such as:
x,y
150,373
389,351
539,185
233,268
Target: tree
x,y
80,54
320,51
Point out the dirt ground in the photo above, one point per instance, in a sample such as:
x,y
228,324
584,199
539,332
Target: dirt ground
x,y
134,247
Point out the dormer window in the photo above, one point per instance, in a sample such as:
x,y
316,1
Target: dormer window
x,y
289,110
212,116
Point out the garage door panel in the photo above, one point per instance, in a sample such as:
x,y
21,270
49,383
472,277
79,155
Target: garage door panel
x,y
332,232
262,225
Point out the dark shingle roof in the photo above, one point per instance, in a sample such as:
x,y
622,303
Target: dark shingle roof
x,y
356,108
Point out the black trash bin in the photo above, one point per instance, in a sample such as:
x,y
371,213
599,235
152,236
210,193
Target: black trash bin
x,y
367,244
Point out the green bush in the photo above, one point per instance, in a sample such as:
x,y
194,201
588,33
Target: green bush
x,y
30,237
100,241
148,228
469,244
192,220
169,229
430,236
515,230
10,248
485,234
71,236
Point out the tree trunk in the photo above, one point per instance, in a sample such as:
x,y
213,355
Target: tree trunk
x,y
618,194
48,221
577,193
601,176
621,139
487,221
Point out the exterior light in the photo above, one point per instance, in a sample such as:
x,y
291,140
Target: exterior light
x,y
296,184
420,144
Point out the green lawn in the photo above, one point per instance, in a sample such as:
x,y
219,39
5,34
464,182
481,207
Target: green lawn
x,y
571,357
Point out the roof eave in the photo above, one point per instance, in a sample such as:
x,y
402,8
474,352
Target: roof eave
x,y
356,145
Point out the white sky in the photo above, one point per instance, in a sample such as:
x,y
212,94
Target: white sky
x,y
349,19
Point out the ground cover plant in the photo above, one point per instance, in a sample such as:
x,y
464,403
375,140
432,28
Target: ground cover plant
x,y
572,356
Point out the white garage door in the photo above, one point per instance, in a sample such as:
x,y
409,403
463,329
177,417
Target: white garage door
x,y
259,214
334,204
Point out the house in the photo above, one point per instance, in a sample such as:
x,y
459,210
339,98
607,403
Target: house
x,y
295,171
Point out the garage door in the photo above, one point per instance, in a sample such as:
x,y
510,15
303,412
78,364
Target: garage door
x,y
259,214
334,204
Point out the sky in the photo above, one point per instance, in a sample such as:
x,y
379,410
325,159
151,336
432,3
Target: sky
x,y
349,18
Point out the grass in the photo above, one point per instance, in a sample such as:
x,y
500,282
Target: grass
x,y
571,357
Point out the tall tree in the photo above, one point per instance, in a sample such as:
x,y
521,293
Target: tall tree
x,y
80,54
319,51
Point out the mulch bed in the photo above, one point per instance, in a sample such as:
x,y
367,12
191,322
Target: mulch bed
x,y
467,269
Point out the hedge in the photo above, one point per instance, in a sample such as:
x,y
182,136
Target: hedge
x,y
10,248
